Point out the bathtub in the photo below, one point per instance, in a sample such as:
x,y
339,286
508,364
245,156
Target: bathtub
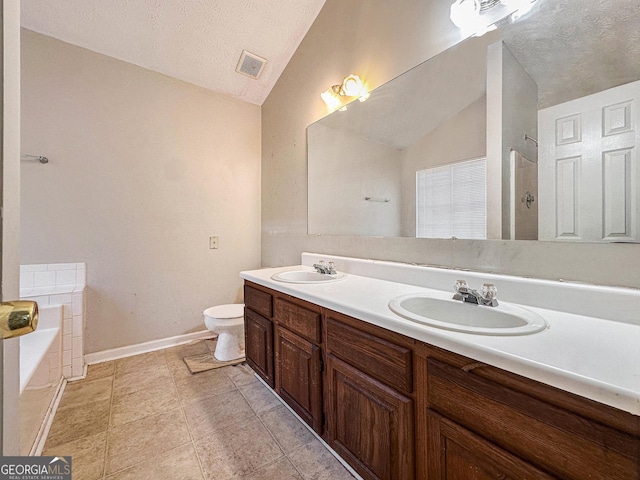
x,y
40,376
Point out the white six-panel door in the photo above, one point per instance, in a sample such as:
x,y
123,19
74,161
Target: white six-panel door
x,y
588,172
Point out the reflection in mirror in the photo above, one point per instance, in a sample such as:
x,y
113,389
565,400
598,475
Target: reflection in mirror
x,y
551,103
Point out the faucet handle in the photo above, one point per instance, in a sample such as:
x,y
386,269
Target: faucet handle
x,y
459,284
489,291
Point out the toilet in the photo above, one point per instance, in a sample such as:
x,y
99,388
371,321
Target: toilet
x,y
228,322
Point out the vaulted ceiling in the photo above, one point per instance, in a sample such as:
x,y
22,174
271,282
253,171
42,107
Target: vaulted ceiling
x,y
197,41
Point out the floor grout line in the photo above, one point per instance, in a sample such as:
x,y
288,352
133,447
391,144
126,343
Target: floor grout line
x,y
109,426
277,442
284,454
184,415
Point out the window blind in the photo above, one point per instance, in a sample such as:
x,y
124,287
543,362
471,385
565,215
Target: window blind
x,y
451,200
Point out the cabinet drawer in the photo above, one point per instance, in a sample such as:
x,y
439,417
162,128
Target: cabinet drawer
x,y
258,301
556,440
379,358
298,319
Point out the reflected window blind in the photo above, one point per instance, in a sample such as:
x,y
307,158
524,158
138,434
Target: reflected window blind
x,y
451,201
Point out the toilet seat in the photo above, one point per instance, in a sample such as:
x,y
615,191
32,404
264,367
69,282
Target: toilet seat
x,y
225,312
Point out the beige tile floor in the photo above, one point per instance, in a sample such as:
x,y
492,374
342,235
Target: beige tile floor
x,y
147,417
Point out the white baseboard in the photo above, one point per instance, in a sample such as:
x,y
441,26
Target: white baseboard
x,y
121,352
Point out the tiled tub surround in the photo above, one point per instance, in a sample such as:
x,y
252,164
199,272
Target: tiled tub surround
x,y
589,349
61,284
40,376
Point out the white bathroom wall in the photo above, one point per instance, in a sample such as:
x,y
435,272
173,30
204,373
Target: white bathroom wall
x,y
382,41
337,204
143,169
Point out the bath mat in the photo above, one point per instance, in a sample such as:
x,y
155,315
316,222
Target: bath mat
x,y
206,361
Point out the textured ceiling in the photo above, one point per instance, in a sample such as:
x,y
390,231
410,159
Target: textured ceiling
x,y
198,41
573,48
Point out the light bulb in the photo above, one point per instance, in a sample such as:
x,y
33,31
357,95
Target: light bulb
x,y
331,99
351,86
465,14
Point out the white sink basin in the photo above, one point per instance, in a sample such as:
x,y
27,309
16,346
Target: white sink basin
x,y
440,310
305,276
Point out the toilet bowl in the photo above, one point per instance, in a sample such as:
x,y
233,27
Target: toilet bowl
x,y
228,322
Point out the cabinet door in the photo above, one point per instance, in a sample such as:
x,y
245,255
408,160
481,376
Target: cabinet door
x,y
370,425
548,436
298,378
258,333
454,453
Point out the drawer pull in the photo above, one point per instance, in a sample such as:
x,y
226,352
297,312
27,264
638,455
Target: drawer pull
x,y
473,366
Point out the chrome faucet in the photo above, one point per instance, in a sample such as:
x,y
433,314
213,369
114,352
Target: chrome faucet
x,y
486,297
326,269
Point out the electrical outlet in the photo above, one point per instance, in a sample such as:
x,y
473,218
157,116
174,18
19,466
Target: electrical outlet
x,y
213,242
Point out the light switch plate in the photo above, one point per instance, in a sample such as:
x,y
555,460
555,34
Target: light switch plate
x,y
213,242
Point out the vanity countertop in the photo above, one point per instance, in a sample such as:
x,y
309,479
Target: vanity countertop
x,y
592,357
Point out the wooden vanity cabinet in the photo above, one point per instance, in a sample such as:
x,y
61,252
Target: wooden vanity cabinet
x,y
298,358
398,409
369,398
258,331
494,424
282,343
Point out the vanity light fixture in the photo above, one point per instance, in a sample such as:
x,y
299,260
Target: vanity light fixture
x,y
350,88
465,14
475,17
520,7
331,97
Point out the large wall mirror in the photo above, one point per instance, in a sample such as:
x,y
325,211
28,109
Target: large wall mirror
x,y
528,132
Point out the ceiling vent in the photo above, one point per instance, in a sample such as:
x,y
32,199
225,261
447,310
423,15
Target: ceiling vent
x,y
250,64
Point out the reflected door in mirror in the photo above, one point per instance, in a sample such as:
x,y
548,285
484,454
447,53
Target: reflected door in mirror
x,y
589,176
